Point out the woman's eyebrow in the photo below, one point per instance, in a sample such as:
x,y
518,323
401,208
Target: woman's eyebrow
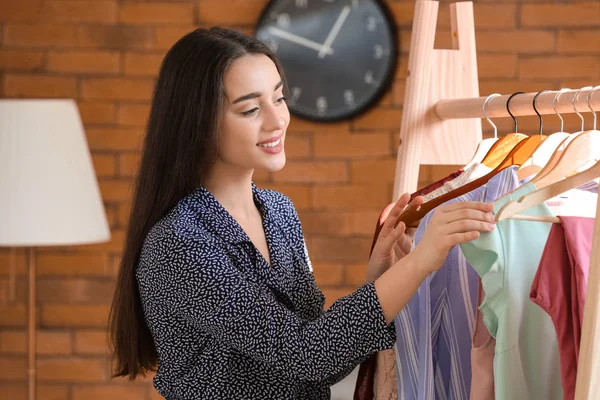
x,y
254,95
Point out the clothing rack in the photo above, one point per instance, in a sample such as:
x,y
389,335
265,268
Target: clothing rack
x,y
441,125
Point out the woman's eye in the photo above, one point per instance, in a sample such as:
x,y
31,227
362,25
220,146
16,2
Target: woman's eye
x,y
281,99
250,112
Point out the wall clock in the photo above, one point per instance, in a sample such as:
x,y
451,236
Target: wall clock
x,y
338,56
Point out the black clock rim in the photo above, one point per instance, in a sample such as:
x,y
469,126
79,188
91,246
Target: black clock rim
x,y
386,83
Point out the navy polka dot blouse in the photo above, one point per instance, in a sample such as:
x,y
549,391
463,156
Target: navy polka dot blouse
x,y
228,326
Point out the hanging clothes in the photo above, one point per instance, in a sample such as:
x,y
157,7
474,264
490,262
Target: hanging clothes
x,y
482,356
559,288
434,330
475,171
526,361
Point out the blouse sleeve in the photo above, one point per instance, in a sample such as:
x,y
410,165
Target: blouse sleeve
x,y
205,288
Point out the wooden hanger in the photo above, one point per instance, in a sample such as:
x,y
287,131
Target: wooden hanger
x,y
513,208
579,153
544,151
517,156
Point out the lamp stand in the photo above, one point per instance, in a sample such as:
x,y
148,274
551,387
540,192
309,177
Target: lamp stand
x,y
31,262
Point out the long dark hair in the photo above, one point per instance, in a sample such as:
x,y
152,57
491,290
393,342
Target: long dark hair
x,y
178,151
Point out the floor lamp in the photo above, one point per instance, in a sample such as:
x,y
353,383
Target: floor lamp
x,y
49,194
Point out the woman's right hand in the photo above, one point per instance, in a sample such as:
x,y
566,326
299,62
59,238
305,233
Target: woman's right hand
x,y
451,224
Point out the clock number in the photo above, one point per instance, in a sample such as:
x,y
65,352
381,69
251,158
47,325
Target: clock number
x,y
283,20
273,45
369,77
301,3
295,95
371,23
378,51
321,105
354,3
349,98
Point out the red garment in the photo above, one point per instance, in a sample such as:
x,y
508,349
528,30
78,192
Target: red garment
x,y
559,287
366,372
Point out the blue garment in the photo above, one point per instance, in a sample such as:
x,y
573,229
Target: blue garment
x,y
228,326
434,331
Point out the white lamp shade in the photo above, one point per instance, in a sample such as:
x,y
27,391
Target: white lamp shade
x,y
49,194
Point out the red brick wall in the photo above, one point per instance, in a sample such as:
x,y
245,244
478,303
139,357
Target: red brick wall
x,y
106,53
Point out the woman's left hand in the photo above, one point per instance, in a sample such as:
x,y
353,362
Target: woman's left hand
x,y
393,243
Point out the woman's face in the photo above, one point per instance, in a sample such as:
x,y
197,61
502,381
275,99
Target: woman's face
x,y
255,116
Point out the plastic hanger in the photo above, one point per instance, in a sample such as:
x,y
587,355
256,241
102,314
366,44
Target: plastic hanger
x,y
542,154
505,144
579,153
484,147
518,155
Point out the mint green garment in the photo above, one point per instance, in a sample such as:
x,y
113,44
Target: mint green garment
x,y
526,360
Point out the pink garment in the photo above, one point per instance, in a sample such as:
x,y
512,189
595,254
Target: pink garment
x,y
559,287
482,357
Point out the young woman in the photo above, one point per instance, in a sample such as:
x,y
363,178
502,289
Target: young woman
x,y
216,289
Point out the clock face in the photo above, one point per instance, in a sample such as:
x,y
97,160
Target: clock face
x,y
338,56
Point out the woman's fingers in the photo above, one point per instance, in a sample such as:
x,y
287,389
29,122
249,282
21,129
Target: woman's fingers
x,y
468,213
467,225
463,237
474,205
388,225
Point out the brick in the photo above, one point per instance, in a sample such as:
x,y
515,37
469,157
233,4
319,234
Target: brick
x,y
74,316
324,222
559,67
334,294
363,222
123,211
84,62
298,125
18,391
74,291
299,194
401,69
72,265
133,114
78,11
12,315
297,146
116,190
117,88
114,138
91,342
129,392
515,41
116,37
39,86
155,13
13,368
23,10
354,274
231,12
312,171
97,112
403,13
492,16
358,145
497,65
47,342
340,249
128,164
355,197
580,14
78,370
166,36
104,165
379,118
366,171
115,245
111,215
142,64
20,59
40,35
328,273
503,86
579,41
398,87
12,260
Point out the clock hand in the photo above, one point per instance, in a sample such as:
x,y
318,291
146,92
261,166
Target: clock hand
x,y
334,31
299,40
